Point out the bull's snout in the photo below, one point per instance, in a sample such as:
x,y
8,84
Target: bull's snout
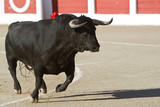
x,y
96,48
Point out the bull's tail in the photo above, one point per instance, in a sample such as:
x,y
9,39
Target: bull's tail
x,y
29,68
25,68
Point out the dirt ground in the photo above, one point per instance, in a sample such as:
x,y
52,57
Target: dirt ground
x,y
125,73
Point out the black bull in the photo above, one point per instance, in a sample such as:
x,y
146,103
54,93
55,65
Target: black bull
x,y
49,47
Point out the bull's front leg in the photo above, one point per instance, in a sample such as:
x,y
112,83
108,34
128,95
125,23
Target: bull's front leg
x,y
69,77
63,87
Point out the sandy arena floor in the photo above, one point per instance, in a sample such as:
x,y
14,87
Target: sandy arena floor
x,y
125,73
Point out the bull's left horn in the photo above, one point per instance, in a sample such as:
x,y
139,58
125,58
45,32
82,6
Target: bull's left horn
x,y
75,23
98,22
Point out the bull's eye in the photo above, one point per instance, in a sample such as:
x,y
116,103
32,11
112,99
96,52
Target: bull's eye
x,y
85,33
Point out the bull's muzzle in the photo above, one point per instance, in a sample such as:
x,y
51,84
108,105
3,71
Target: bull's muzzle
x,y
95,48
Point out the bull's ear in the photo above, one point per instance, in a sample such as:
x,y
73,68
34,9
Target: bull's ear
x,y
98,22
75,23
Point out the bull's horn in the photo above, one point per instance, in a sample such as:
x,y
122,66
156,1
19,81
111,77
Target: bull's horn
x,y
98,22
75,23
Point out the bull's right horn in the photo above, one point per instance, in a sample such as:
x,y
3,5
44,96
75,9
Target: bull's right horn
x,y
75,23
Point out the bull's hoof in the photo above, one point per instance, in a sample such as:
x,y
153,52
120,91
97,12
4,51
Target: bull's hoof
x,y
18,91
32,100
60,88
44,91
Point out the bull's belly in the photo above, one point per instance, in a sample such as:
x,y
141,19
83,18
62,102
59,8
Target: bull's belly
x,y
53,68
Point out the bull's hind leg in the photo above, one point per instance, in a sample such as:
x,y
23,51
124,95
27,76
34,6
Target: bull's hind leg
x,y
12,62
43,88
38,70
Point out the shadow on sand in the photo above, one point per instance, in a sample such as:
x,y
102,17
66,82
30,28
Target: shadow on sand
x,y
103,95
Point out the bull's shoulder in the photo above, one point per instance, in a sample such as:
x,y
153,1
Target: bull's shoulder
x,y
45,22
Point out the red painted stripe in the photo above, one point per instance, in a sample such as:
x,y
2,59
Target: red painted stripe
x,y
112,6
148,6
72,6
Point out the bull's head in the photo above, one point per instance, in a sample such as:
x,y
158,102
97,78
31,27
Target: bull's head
x,y
84,29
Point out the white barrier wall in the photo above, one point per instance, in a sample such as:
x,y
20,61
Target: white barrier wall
x,y
125,19
124,12
22,10
11,11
